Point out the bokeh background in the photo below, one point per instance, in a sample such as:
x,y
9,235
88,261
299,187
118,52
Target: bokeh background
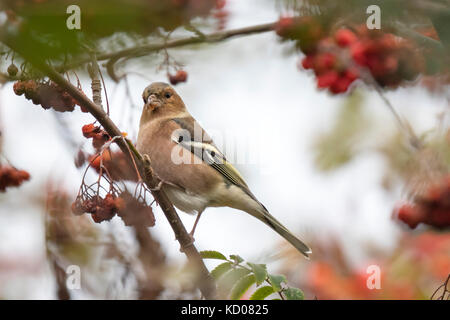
x,y
325,165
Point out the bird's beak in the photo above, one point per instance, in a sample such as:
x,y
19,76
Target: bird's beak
x,y
153,102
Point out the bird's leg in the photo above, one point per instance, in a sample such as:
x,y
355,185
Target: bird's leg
x,y
195,225
191,234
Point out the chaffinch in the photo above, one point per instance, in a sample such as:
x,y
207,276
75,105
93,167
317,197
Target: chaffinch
x,y
194,173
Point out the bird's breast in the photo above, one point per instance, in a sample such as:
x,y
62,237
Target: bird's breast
x,y
174,164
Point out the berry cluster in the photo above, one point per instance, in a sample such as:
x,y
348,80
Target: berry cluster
x,y
390,59
179,76
329,73
98,135
101,209
339,58
117,166
47,94
131,210
11,177
431,208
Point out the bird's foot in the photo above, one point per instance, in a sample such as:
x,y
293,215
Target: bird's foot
x,y
158,187
191,241
191,235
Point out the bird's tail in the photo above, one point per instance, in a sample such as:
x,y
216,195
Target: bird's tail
x,y
270,220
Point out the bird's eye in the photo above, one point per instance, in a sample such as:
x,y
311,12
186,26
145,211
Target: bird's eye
x,y
167,95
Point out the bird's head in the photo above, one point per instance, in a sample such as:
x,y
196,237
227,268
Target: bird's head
x,y
160,98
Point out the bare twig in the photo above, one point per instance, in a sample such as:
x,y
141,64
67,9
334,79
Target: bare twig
x,y
443,292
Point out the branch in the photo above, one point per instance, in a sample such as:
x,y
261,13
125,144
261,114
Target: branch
x,y
142,50
205,283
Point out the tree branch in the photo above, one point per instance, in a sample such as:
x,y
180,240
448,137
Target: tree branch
x,y
205,283
142,50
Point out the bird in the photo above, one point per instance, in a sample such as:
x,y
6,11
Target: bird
x,y
194,173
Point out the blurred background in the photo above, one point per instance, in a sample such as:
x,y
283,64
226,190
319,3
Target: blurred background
x,y
334,168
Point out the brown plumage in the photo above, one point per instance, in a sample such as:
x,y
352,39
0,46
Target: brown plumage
x,y
195,174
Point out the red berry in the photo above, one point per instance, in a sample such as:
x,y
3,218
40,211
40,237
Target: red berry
x,y
308,62
284,25
341,85
359,52
89,130
327,79
324,62
180,76
345,37
352,74
409,214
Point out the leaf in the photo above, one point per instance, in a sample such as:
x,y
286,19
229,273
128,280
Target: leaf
x,y
236,258
229,279
260,271
242,286
262,293
221,269
294,294
211,254
276,280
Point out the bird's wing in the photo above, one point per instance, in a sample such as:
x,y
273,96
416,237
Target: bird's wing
x,y
193,138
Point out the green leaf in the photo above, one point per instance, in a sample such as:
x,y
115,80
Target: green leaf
x,y
276,280
236,258
242,286
211,254
221,269
229,279
260,271
262,293
294,294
